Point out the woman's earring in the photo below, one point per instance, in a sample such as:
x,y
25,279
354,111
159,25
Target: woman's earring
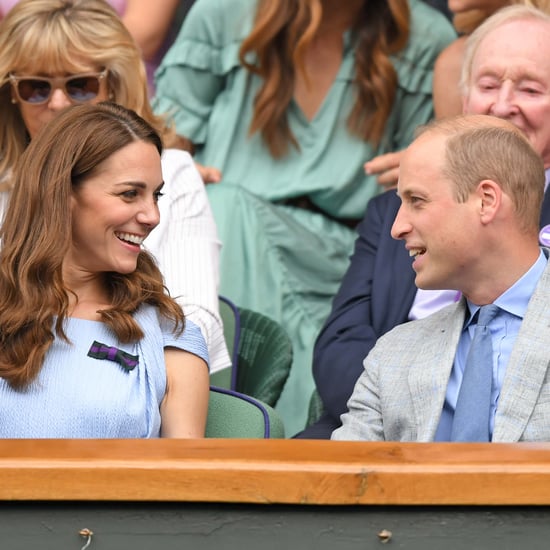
x,y
13,100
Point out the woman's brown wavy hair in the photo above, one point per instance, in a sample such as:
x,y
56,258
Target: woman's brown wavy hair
x,y
282,33
37,233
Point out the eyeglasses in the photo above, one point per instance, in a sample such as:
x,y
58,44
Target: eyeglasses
x,y
79,88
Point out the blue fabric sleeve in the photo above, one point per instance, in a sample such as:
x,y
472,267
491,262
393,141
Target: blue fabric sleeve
x,y
190,340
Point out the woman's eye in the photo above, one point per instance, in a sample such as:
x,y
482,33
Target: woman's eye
x,y
132,194
157,195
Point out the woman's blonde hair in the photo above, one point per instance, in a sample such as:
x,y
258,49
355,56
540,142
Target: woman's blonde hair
x,y
55,35
282,33
37,234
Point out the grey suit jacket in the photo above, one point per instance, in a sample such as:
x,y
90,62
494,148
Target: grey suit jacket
x,y
400,394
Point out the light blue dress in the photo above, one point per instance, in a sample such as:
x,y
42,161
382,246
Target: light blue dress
x,y
282,261
78,396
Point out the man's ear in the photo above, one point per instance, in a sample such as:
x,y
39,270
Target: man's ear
x,y
489,194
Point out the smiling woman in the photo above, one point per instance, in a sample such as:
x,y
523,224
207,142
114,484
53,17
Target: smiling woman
x,y
91,345
116,209
57,53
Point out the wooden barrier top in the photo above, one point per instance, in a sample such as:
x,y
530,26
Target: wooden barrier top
x,y
275,471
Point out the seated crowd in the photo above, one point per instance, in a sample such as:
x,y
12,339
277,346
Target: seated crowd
x,y
281,103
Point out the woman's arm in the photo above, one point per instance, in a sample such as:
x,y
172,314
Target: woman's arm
x,y
446,86
149,22
185,405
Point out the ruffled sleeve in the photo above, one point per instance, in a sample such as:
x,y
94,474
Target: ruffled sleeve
x,y
195,70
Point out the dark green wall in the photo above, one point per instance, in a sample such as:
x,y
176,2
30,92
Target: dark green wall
x,y
131,526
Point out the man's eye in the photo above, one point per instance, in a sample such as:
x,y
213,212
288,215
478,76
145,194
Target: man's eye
x,y
530,91
487,85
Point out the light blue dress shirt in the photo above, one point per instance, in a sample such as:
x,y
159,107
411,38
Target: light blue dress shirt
x,y
504,330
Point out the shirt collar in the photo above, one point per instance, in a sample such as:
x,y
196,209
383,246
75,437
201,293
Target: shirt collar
x,y
516,298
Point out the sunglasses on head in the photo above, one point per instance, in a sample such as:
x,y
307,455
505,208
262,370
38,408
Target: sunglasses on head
x,y
79,88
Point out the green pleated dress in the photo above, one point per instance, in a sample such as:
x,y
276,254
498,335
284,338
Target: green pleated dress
x,y
283,261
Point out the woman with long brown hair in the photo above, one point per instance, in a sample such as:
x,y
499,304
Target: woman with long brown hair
x,y
91,345
56,53
288,98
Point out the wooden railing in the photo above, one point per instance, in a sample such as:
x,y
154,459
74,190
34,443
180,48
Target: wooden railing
x,y
275,471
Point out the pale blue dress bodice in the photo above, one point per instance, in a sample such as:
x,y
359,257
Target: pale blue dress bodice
x,y
77,396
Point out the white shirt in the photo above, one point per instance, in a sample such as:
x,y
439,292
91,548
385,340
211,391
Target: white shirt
x,y
187,249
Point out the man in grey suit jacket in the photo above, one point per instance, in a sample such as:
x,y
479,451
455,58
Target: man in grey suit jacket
x,y
471,190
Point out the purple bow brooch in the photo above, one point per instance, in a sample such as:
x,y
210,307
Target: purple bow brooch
x,y
123,358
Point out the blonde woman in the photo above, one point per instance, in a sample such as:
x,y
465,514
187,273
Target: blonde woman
x,y
148,22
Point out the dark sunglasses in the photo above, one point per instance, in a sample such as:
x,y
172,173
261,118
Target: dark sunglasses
x,y
79,88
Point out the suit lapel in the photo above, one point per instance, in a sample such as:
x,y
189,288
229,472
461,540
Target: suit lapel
x,y
527,366
429,376
402,289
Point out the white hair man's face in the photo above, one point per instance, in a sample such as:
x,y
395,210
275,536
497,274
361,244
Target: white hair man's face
x,y
510,79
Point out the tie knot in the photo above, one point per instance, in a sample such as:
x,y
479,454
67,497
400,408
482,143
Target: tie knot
x,y
487,314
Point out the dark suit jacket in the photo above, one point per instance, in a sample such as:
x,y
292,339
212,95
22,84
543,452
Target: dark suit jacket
x,y
376,294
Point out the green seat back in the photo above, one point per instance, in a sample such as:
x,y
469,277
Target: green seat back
x,y
265,357
233,415
229,314
261,353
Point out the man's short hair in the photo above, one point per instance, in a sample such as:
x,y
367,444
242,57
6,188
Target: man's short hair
x,y
483,147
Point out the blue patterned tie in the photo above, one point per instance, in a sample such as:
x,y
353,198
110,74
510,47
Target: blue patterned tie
x,y
471,418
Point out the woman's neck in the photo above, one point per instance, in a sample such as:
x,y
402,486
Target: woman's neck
x,y
339,14
87,294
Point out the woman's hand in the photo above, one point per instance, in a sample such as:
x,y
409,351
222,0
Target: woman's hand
x,y
209,174
386,167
